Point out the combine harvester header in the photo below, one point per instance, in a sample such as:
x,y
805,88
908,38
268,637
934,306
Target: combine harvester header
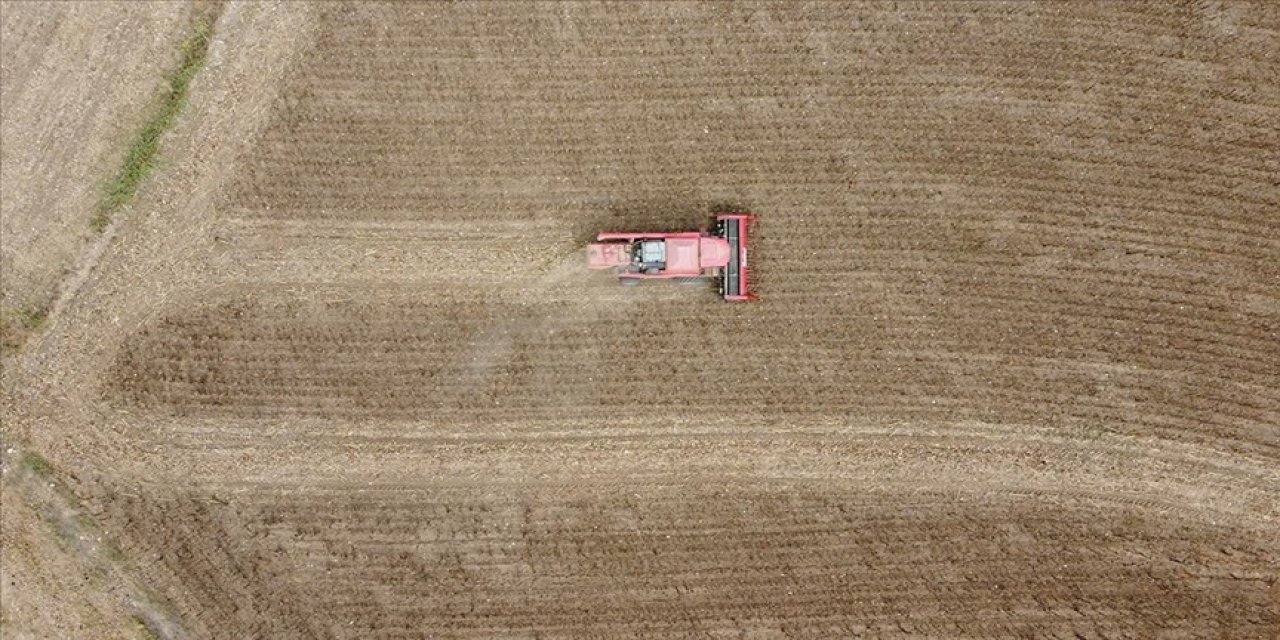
x,y
686,256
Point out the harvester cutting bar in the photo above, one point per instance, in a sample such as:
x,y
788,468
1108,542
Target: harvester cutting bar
x,y
733,281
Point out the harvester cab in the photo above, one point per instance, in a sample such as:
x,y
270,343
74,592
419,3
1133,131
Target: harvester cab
x,y
649,256
720,254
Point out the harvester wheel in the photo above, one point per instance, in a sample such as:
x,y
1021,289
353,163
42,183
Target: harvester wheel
x,y
693,281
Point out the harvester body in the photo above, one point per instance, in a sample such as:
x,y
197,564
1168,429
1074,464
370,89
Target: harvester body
x,y
720,253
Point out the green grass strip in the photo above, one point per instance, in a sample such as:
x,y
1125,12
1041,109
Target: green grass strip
x,y
140,160
37,464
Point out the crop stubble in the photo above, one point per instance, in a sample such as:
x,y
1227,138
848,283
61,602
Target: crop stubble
x,y
1061,217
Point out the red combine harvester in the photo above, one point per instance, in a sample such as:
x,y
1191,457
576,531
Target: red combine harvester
x,y
687,256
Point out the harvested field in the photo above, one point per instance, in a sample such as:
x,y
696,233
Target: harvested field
x,y
1015,372
665,560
